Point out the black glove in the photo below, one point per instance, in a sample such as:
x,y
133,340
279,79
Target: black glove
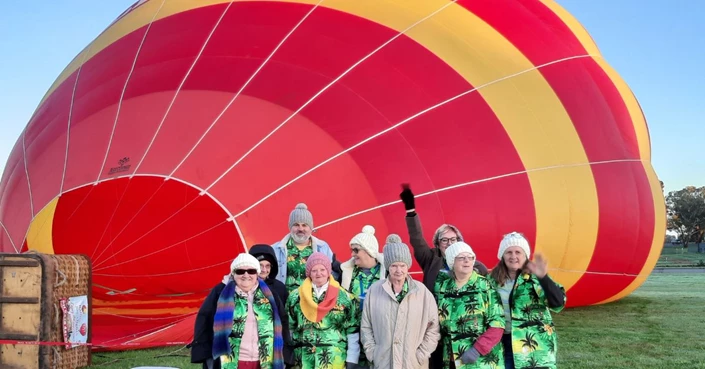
x,y
407,197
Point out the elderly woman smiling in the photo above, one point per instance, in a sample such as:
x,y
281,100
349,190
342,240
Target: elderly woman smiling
x,y
471,314
241,324
399,327
324,318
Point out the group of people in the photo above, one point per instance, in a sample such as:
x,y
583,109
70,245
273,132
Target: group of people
x,y
293,305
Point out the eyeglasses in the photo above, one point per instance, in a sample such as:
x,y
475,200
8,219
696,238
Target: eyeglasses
x,y
464,258
243,271
355,250
448,240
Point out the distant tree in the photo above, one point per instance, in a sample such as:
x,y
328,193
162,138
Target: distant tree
x,y
686,209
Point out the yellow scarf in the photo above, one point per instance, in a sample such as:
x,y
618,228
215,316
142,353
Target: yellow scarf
x,y
313,311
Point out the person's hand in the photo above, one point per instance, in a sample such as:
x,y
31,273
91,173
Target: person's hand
x,y
470,356
407,197
538,266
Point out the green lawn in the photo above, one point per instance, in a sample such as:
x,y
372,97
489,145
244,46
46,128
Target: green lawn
x,y
176,357
658,326
677,257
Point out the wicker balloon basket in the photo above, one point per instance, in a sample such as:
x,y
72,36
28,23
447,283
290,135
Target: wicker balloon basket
x,y
38,294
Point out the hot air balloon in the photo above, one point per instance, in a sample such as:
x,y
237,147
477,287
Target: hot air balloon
x,y
190,129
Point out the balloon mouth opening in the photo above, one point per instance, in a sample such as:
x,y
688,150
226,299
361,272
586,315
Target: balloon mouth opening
x,y
156,248
147,237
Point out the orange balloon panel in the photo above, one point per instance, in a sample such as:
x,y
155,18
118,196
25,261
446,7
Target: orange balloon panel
x,y
190,129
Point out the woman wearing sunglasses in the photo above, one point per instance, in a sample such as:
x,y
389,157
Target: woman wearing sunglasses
x,y
365,267
324,318
241,324
471,314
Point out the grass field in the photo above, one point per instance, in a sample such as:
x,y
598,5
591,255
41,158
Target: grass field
x,y
677,257
658,326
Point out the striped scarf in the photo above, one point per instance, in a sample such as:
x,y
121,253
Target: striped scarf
x,y
313,311
223,323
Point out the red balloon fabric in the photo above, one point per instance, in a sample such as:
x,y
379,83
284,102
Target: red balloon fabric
x,y
189,130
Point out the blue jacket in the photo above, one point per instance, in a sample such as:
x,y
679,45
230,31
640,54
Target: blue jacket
x,y
320,246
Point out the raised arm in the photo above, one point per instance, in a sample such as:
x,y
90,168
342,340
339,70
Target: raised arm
x,y
422,252
554,293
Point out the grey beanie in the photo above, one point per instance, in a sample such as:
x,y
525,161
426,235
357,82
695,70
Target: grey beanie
x,y
300,214
396,251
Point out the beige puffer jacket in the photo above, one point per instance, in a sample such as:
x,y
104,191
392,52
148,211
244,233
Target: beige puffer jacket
x,y
399,336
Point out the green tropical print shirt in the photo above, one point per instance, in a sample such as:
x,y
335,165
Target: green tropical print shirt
x,y
440,278
403,293
324,344
296,264
265,329
464,315
360,283
534,340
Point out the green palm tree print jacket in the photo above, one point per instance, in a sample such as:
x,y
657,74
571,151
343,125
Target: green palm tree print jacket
x,y
465,314
265,329
324,344
534,340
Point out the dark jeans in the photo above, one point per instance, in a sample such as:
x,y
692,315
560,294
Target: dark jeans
x,y
508,353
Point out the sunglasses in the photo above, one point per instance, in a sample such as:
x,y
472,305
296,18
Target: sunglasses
x,y
243,271
355,250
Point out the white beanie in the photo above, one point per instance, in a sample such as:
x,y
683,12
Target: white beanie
x,y
367,240
245,261
513,239
456,249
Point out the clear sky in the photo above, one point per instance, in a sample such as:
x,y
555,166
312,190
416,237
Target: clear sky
x,y
658,49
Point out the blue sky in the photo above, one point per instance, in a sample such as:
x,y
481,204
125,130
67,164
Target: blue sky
x,y
659,50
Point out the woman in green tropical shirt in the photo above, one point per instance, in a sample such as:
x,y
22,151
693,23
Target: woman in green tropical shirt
x,y
470,313
241,324
528,296
365,267
324,319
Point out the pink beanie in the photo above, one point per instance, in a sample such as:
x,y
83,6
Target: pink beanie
x,y
318,258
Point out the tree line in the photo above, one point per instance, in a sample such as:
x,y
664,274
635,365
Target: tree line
x,y
685,211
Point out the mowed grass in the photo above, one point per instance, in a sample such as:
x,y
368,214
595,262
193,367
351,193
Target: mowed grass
x,y
658,326
677,257
176,357
661,325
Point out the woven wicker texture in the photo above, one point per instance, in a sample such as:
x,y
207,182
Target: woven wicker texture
x,y
71,277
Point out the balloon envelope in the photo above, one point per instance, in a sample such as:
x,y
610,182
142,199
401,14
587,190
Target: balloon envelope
x,y
189,129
